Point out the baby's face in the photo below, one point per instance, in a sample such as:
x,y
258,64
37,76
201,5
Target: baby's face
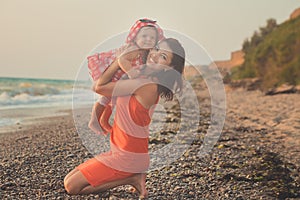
x,y
146,38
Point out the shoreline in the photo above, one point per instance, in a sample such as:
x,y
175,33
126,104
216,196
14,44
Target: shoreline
x,y
253,159
15,119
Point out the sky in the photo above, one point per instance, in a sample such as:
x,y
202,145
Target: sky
x,y
52,38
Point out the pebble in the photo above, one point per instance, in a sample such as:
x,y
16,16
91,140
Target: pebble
x,y
239,167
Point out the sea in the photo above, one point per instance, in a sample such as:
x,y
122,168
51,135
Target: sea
x,y
30,93
25,100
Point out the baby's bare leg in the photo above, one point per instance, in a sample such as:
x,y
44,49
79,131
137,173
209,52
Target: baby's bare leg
x,y
94,124
104,119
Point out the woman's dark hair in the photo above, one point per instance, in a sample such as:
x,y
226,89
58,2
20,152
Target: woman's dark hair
x,y
170,80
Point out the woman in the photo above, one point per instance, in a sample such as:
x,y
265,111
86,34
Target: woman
x,y
128,159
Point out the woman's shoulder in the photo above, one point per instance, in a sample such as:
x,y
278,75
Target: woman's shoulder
x,y
147,94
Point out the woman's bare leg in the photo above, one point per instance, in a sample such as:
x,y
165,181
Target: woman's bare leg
x,y
70,174
77,184
138,181
75,181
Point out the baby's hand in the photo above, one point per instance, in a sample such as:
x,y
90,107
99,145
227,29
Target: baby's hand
x,y
121,50
125,49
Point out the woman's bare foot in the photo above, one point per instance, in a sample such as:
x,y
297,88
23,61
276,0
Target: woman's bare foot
x,y
138,181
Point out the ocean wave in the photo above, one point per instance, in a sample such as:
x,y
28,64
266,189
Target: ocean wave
x,y
16,92
26,98
25,92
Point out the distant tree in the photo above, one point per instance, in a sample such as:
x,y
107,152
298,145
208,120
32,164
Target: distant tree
x,y
271,25
256,39
272,55
246,45
258,36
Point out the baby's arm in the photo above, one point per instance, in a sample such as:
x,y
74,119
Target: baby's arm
x,y
125,61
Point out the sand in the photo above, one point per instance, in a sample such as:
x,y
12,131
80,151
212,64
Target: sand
x,y
256,157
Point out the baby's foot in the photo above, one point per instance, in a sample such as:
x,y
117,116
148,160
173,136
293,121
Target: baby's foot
x,y
96,128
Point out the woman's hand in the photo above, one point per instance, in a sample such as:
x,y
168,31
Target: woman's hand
x,y
133,73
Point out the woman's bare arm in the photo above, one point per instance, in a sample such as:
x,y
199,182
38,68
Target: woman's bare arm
x,y
105,87
123,87
108,74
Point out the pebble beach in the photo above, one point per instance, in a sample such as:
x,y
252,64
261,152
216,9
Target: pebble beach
x,y
256,157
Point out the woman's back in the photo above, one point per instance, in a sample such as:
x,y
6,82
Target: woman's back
x,y
131,125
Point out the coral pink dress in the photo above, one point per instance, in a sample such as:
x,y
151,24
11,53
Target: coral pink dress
x,y
129,145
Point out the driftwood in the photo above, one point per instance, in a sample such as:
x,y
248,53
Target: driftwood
x,y
283,89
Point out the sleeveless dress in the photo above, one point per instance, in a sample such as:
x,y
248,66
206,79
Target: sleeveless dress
x,y
128,145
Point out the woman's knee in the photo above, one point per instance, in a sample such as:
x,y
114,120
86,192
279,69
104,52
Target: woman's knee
x,y
71,187
68,186
68,183
74,183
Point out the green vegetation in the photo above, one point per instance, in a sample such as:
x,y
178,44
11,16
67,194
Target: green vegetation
x,y
272,54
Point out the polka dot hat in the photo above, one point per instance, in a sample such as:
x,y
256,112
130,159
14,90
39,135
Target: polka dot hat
x,y
140,24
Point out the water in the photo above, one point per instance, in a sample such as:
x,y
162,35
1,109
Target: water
x,y
25,92
20,93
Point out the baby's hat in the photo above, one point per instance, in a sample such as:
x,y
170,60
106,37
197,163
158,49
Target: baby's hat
x,y
140,24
